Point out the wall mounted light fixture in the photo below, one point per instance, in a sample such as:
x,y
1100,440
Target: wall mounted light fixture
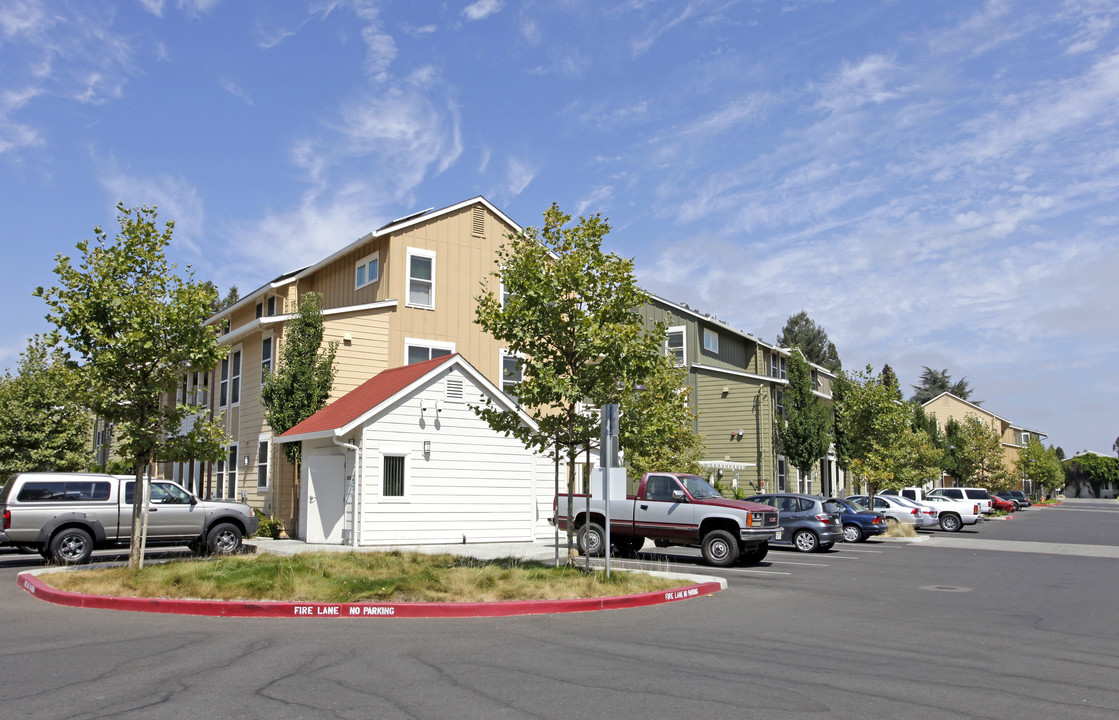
x,y
427,447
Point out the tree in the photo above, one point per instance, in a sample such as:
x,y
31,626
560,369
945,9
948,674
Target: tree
x,y
221,303
805,428
937,382
300,385
137,329
656,428
43,426
890,378
1096,471
1041,466
979,455
568,311
802,332
879,444
1115,447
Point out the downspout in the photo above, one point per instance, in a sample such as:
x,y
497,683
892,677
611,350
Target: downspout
x,y
353,503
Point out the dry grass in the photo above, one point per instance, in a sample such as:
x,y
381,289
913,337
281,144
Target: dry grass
x,y
898,530
357,577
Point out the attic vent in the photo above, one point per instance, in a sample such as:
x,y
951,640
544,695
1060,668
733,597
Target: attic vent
x,y
455,390
478,228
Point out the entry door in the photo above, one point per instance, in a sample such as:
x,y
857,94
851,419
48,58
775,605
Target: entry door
x,y
326,498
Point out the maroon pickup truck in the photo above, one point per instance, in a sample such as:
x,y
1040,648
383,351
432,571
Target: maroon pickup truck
x,y
674,509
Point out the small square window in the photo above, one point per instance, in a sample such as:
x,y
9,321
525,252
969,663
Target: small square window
x,y
367,271
710,341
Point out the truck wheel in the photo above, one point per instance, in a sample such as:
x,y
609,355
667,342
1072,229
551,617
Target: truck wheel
x,y
950,523
627,545
753,553
591,539
71,546
224,539
806,541
720,548
852,533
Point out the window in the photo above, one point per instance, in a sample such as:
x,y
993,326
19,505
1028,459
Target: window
x,y
815,381
421,279
512,373
710,340
231,473
419,350
674,346
62,491
223,385
260,310
367,270
262,464
219,478
235,379
780,473
777,366
779,401
265,358
1025,438
394,470
272,305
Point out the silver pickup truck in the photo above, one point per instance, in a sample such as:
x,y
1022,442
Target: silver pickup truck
x,y
674,509
65,516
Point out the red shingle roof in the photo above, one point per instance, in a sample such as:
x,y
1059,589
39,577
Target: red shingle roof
x,y
366,396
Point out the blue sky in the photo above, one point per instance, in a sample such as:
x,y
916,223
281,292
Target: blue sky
x,y
934,182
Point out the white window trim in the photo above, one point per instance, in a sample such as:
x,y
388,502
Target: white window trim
x,y
271,359
418,252
782,478
365,261
503,353
434,344
394,451
264,438
709,333
231,473
683,330
235,350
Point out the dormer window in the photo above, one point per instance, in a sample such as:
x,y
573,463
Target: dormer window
x,y
710,341
367,271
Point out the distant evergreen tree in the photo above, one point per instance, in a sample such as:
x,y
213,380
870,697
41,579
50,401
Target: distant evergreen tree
x,y
937,382
801,332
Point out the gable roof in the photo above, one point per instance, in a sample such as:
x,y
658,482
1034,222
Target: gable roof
x,y
394,226
386,387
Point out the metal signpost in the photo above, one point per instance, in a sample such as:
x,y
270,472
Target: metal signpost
x,y
608,460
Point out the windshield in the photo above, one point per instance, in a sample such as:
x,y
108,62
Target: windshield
x,y
698,488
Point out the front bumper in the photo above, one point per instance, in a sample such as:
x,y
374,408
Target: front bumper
x,y
754,535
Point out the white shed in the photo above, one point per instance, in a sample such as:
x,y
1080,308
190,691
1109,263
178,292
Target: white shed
x,y
429,470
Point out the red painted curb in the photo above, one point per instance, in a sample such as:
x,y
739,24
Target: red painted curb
x,y
270,609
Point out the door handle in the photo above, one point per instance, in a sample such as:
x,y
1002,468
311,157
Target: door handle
x,y
644,507
151,509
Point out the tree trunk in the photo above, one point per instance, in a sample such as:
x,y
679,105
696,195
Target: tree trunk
x,y
135,554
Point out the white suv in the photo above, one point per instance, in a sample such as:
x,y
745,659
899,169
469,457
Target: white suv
x,y
973,494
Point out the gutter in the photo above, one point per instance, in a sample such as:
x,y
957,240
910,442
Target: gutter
x,y
353,504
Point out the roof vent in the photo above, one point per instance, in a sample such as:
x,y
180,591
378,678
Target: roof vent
x,y
455,390
478,227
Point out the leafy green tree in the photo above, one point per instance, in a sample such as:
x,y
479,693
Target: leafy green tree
x,y
879,443
802,332
1060,453
43,426
805,428
1041,466
657,426
304,375
1115,447
137,328
568,310
1095,471
979,456
937,382
221,303
890,378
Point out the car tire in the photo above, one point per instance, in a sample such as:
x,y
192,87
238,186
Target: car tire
x,y
720,549
627,545
224,539
950,523
71,546
853,533
753,554
806,541
591,539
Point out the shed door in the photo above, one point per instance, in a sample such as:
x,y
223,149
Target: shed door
x,y
326,500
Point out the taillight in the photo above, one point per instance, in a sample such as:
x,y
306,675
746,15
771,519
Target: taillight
x,y
915,511
824,518
976,509
877,520
7,518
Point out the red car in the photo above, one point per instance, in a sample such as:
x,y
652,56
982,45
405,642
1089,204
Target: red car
x,y
998,503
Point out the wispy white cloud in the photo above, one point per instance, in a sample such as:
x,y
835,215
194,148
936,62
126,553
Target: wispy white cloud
x,y
234,88
595,201
660,27
174,196
518,175
481,9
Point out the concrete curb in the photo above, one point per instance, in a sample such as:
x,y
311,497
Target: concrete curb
x,y
30,582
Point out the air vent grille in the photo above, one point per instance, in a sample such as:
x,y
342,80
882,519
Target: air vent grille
x,y
478,228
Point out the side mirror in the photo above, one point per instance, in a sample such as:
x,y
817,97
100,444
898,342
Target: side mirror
x,y
678,495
